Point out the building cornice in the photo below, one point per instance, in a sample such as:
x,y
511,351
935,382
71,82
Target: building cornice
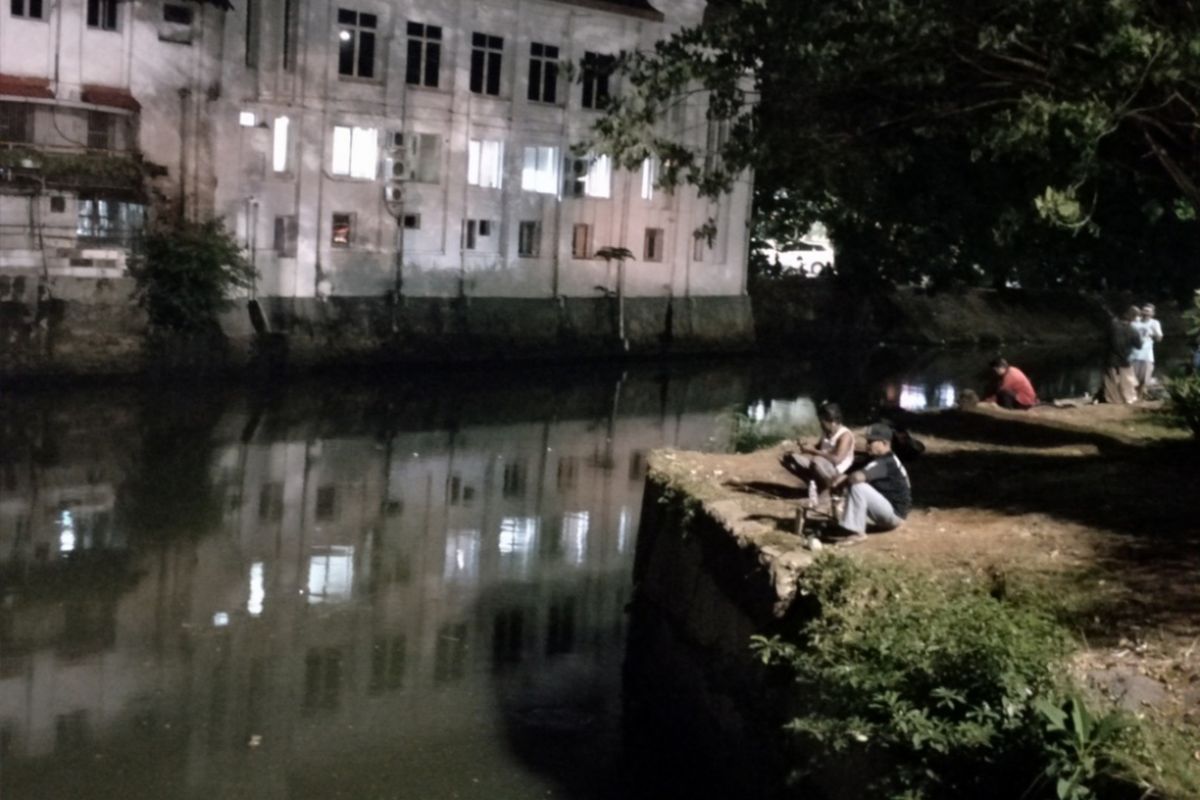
x,y
629,8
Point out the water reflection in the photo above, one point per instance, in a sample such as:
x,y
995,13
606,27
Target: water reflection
x,y
390,591
366,606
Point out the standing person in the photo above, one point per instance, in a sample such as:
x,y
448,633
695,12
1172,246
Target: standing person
x,y
829,458
1143,357
879,494
1119,384
1010,387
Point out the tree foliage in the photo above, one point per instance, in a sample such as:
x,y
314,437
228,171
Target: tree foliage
x,y
1048,142
185,273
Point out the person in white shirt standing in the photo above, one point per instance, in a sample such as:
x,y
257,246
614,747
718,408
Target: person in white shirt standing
x,y
1142,358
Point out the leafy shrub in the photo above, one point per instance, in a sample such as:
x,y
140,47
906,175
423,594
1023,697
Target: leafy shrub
x,y
749,435
185,273
1185,400
935,690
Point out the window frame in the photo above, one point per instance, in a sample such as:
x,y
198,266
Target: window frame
x,y
348,218
354,168
423,55
102,15
585,253
529,239
543,73
654,246
353,28
598,69
487,64
16,115
23,9
286,235
485,163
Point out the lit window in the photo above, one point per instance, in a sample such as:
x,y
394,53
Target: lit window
x,y
650,169
356,43
590,177
342,229
574,536
355,152
462,555
485,163
517,535
539,173
254,605
486,54
247,119
279,149
581,241
330,574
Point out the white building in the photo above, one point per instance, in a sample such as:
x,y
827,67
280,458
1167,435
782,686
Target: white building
x,y
328,134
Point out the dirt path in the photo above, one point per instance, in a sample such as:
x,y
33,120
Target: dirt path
x,y
1099,505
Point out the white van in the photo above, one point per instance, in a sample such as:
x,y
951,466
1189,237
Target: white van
x,y
810,257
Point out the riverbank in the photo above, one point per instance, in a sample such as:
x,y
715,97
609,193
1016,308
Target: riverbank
x,y
1086,510
89,328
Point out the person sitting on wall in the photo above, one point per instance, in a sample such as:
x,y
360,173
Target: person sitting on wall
x,y
824,462
879,495
1010,387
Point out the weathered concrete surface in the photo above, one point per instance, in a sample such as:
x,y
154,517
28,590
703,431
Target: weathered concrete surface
x,y
708,575
90,328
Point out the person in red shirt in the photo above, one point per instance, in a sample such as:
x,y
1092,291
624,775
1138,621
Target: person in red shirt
x,y
1011,388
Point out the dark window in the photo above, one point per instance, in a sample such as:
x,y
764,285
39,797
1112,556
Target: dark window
x,y
698,248
514,480
252,12
322,678
581,241
289,21
326,503
387,663
560,630
102,14
485,227
469,233
342,229
58,204
16,122
543,73
30,9
286,231
568,472
529,236
654,245
450,653
486,53
270,502
424,55
100,130
356,43
596,72
508,634
412,222
177,15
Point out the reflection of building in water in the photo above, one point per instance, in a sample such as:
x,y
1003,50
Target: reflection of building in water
x,y
358,595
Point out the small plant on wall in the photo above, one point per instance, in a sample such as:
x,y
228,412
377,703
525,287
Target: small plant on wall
x,y
185,274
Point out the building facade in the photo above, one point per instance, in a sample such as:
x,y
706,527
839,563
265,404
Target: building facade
x,y
355,148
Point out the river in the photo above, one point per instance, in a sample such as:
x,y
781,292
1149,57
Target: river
x,y
408,588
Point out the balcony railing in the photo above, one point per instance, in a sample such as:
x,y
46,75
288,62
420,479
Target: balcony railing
x,y
71,168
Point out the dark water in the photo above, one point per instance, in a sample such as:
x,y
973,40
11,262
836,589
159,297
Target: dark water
x,y
412,589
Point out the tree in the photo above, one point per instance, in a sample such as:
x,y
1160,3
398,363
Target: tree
x,y
1046,142
185,273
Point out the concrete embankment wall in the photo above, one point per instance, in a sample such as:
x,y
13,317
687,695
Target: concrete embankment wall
x,y
90,327
700,711
790,311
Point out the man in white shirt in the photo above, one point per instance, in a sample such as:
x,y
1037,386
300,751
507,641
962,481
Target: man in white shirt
x,y
1142,358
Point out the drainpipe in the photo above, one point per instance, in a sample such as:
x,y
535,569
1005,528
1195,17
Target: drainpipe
x,y
184,94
